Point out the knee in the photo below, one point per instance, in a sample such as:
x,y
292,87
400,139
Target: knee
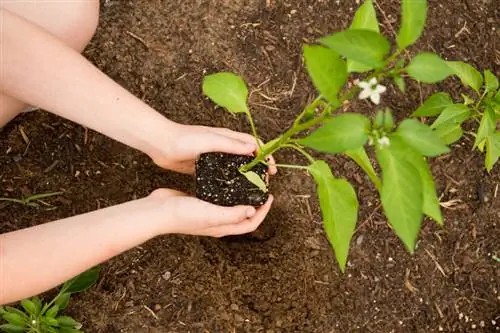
x,y
80,25
73,22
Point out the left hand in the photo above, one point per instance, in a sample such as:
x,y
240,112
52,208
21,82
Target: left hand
x,y
187,142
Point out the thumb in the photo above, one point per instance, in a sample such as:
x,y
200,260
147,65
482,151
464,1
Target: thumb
x,y
214,142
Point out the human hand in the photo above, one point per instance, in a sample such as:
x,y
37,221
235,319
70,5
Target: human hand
x,y
187,142
182,214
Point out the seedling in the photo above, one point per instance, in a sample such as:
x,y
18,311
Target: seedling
x,y
406,185
36,317
31,200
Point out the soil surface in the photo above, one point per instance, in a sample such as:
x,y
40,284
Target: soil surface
x,y
282,278
219,181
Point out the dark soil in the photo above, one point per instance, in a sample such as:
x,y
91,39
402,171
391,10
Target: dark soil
x,y
284,277
219,181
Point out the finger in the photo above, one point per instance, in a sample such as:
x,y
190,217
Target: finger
x,y
212,215
244,227
215,142
163,193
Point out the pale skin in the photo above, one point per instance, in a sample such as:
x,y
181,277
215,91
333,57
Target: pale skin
x,y
51,74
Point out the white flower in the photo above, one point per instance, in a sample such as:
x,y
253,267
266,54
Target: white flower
x,y
384,141
371,89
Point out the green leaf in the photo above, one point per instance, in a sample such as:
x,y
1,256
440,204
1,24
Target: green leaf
x,y
434,105
14,318
339,207
450,133
492,150
413,17
401,193
66,321
421,138
490,80
10,328
364,46
38,304
400,83
364,18
29,306
453,114
388,120
327,70
339,134
255,179
467,99
486,127
17,311
361,158
62,300
52,312
431,205
428,67
467,74
51,321
227,90
82,282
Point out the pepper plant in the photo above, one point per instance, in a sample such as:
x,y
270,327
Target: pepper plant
x,y
36,317
406,185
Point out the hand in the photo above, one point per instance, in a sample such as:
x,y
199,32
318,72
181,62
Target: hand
x,y
187,142
191,216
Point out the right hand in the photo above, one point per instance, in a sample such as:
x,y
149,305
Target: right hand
x,y
191,216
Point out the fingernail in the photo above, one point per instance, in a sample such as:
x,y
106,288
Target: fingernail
x,y
250,212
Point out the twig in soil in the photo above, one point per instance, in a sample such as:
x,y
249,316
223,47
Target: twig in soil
x,y
85,136
131,34
294,84
464,28
496,191
151,311
408,284
439,310
362,224
438,266
266,106
51,167
24,136
451,204
391,28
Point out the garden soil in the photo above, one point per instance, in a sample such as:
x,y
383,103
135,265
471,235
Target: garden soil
x,y
283,277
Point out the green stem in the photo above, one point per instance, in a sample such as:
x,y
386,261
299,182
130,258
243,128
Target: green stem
x,y
254,130
291,166
478,104
300,150
313,105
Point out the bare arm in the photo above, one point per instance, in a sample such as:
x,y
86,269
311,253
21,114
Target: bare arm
x,y
37,259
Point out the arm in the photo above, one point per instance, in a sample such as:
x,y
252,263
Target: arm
x,y
52,253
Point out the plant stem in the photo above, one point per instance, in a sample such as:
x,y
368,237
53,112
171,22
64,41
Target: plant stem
x,y
254,130
478,104
290,166
300,150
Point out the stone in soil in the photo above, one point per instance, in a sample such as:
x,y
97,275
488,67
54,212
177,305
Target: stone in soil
x,y
219,181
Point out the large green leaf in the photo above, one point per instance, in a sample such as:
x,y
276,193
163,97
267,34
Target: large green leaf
x,y
428,68
430,205
327,70
339,207
227,90
339,134
413,17
486,128
492,150
434,105
62,300
490,80
364,18
467,74
421,138
82,282
453,114
401,193
361,45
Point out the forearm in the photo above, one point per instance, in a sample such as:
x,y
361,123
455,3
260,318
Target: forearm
x,y
40,70
37,259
